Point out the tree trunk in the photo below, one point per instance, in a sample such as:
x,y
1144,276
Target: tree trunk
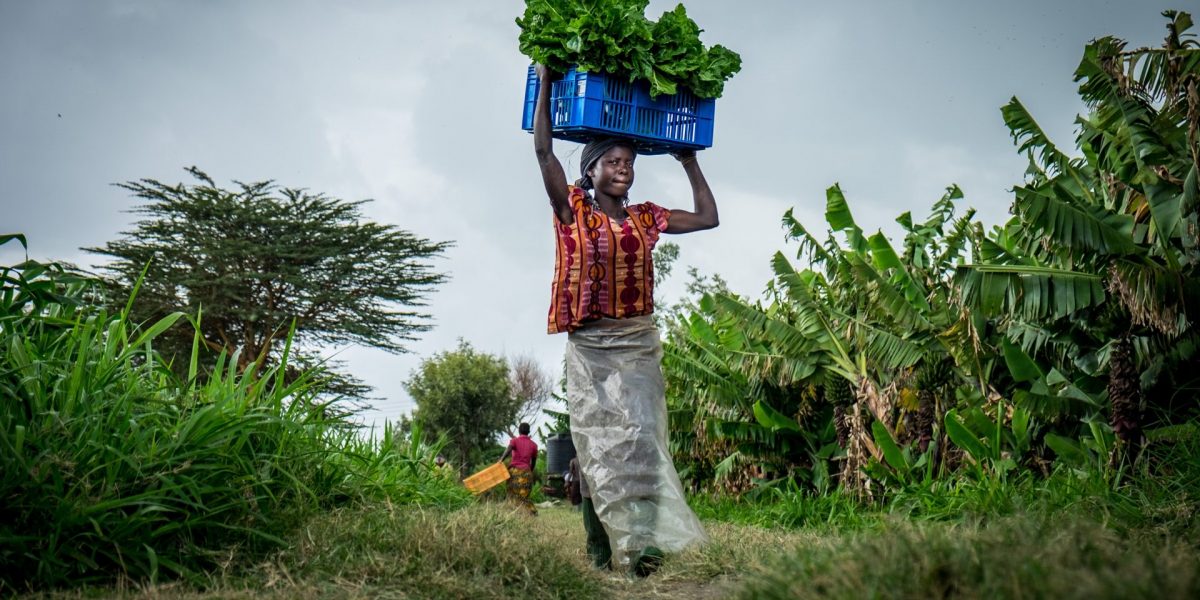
x,y
852,477
1125,395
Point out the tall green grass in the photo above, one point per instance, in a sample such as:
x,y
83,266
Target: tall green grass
x,y
113,467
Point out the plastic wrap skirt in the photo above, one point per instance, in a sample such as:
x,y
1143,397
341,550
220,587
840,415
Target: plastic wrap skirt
x,y
619,427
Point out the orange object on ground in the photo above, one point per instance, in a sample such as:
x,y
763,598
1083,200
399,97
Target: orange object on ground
x,y
487,479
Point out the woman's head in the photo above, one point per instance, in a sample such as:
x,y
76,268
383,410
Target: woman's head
x,y
606,165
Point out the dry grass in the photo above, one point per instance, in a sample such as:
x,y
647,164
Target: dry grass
x,y
708,572
490,550
475,552
483,551
1017,557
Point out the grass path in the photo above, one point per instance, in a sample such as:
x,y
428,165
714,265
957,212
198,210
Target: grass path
x,y
467,553
710,572
491,550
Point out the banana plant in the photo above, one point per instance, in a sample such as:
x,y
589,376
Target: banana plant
x,y
992,444
721,421
899,465
862,313
1100,258
1089,452
1076,306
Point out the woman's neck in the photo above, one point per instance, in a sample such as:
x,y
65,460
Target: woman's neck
x,y
613,207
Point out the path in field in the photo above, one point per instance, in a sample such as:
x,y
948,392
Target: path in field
x,y
710,572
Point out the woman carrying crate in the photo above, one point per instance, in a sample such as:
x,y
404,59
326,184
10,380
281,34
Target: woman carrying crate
x,y
602,297
523,452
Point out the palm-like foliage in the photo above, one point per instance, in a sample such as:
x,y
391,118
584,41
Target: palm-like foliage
x,y
1100,247
862,315
1103,247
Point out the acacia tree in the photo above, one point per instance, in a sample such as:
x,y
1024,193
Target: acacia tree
x,y
465,395
258,258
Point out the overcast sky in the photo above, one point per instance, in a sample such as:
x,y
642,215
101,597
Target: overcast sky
x,y
417,104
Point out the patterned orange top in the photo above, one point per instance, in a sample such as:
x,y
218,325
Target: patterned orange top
x,y
603,268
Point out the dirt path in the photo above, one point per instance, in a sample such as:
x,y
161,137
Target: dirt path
x,y
710,572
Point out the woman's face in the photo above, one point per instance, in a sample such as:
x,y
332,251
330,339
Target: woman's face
x,y
613,173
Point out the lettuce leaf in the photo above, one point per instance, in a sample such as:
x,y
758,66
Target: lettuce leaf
x,y
615,37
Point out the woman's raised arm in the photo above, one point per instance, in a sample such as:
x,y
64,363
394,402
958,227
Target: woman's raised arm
x,y
552,172
704,213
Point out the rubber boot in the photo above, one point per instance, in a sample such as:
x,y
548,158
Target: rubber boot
x,y
647,562
598,548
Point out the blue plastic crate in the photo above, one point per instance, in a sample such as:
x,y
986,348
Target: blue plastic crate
x,y
583,105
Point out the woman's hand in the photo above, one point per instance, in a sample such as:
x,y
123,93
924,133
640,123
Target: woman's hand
x,y
544,73
685,156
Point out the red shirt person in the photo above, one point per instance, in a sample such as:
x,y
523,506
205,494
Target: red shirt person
x,y
524,458
523,451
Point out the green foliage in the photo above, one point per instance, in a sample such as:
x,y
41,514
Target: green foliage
x,y
1018,323
258,259
786,506
466,396
994,536
1089,451
1161,497
559,421
112,466
900,466
1117,214
864,315
665,255
1103,248
616,37
965,438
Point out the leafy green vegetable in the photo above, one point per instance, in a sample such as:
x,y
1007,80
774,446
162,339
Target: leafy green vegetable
x,y
615,37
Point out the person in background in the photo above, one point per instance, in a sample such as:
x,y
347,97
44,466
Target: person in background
x,y
598,548
442,468
572,478
523,452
